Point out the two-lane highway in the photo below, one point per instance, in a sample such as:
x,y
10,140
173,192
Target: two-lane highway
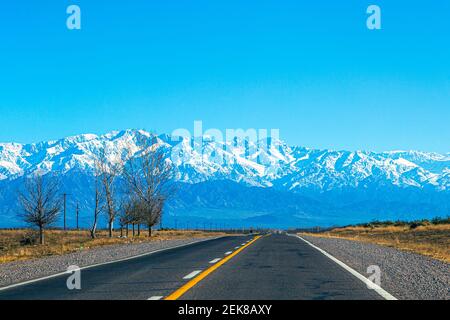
x,y
281,268
235,267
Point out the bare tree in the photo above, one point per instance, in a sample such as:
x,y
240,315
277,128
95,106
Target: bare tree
x,y
97,199
149,177
125,217
131,213
152,214
109,172
40,202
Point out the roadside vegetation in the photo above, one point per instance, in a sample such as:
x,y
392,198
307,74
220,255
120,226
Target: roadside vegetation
x,y
426,237
23,244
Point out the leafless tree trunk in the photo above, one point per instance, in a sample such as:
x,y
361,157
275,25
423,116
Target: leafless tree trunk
x,y
126,216
108,185
97,205
108,174
40,202
132,214
153,213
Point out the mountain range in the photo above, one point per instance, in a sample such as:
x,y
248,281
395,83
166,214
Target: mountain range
x,y
245,183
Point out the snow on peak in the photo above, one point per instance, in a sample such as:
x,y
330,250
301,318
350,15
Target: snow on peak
x,y
263,163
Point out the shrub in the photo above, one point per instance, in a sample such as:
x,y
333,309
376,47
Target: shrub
x,y
438,220
29,239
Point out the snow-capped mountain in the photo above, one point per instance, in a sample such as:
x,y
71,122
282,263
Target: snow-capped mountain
x,y
266,178
273,163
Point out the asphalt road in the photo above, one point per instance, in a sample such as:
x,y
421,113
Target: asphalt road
x,y
272,267
281,268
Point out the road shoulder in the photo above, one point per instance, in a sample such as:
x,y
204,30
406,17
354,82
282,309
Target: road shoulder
x,y
405,275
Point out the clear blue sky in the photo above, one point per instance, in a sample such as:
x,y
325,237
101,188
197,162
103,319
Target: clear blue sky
x,y
310,68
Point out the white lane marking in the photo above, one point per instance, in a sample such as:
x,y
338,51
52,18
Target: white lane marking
x,y
215,260
155,298
104,263
237,247
386,295
192,274
228,253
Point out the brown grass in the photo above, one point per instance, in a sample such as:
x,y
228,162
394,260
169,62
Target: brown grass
x,y
61,242
429,240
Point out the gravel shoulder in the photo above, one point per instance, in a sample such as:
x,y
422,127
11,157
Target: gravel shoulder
x,y
405,275
20,271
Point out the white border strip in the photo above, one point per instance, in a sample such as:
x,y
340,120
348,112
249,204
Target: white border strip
x,y
386,295
105,263
192,274
215,260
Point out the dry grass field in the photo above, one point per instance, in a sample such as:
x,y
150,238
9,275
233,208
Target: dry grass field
x,y
14,244
428,239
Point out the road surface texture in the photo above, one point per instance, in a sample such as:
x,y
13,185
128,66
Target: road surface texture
x,y
281,267
270,267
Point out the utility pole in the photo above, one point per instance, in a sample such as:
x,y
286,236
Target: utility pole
x,y
65,206
65,198
161,222
78,211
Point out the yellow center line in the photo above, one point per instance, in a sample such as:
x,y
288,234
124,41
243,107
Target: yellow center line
x,y
186,287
